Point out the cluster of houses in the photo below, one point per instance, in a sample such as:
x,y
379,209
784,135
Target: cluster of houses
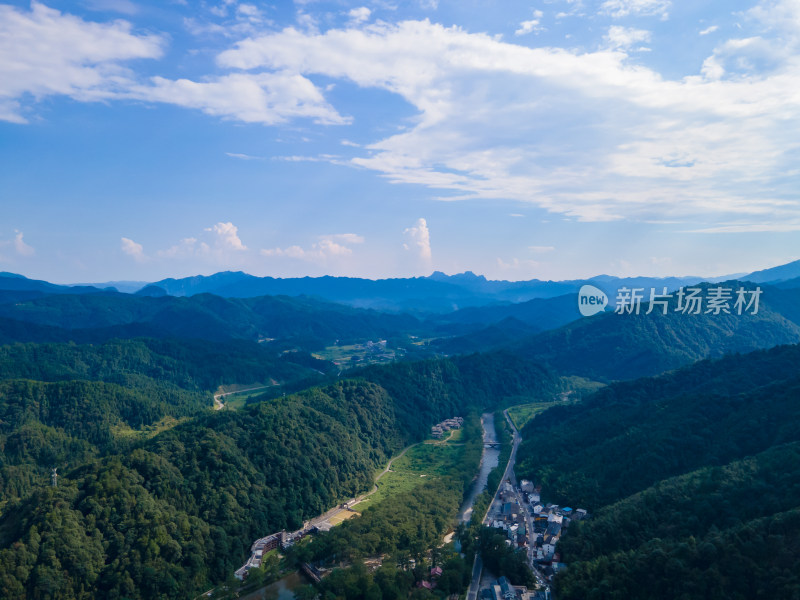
x,y
373,352
511,517
430,584
532,525
438,431
259,548
503,590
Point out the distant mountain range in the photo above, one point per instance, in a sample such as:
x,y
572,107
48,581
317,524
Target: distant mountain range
x,y
547,329
437,293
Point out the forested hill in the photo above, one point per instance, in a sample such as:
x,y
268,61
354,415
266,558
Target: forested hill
x,y
613,346
62,403
691,475
189,364
426,389
167,515
101,316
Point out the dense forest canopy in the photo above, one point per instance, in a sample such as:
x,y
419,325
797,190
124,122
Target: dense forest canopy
x,y
694,477
152,516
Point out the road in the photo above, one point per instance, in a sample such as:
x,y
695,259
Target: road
x,y
528,519
477,568
218,405
382,473
489,436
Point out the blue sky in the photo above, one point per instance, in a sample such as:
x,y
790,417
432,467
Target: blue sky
x,y
552,139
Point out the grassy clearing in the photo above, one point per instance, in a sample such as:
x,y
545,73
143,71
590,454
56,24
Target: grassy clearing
x,y
148,431
522,414
239,394
421,463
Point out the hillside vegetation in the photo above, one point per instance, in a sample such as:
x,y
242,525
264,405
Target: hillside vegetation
x,y
160,516
612,346
693,476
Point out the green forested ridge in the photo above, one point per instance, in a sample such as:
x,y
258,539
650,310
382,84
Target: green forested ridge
x,y
101,316
628,436
180,511
694,479
177,512
189,364
611,346
754,559
428,391
76,401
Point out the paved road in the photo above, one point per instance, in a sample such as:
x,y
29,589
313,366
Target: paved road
x,y
490,436
528,519
475,584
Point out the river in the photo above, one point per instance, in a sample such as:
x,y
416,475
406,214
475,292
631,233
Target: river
x,y
489,460
283,589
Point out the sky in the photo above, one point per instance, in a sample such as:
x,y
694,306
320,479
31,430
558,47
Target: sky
x,y
555,139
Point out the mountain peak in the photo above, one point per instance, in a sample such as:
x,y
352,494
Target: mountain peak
x,y
465,276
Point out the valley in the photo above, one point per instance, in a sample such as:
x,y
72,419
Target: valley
x,y
162,492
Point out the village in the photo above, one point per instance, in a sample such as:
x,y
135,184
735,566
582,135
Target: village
x,y
529,525
533,527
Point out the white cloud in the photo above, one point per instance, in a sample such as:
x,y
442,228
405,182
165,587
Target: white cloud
x,y
516,265
186,248
622,38
347,238
44,52
290,252
132,249
20,247
531,25
419,239
227,236
249,12
710,29
266,98
624,8
328,247
243,156
218,244
589,135
359,15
